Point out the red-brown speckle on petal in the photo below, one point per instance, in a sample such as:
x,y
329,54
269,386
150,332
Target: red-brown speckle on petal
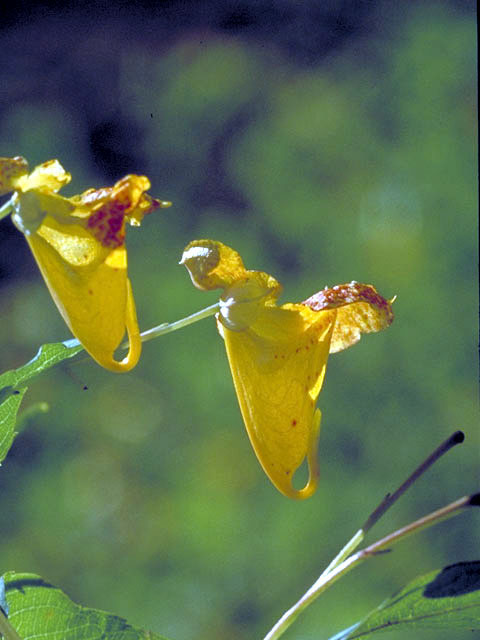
x,y
360,309
108,224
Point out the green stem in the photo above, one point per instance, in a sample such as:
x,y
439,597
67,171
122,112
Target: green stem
x,y
161,329
6,209
452,509
167,327
347,550
327,579
456,438
343,559
6,629
74,350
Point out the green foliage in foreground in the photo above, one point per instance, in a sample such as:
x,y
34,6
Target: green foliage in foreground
x,y
38,608
445,599
12,387
11,399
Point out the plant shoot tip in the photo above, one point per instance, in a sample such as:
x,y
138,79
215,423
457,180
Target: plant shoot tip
x,y
457,437
474,500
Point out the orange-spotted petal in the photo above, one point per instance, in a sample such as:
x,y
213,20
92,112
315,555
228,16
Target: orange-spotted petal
x,y
110,208
129,193
360,309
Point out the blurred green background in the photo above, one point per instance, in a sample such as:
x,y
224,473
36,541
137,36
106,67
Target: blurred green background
x,y
325,141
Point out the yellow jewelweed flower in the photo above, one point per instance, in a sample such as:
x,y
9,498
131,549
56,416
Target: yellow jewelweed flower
x,y
79,246
278,354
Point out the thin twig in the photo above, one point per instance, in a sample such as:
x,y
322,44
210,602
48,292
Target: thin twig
x,y
161,329
343,558
167,327
6,209
456,438
382,545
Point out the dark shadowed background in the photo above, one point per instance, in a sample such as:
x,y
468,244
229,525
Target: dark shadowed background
x,y
326,141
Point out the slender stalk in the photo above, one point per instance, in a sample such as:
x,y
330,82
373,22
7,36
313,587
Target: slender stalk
x,y
452,509
167,327
161,329
6,209
347,550
382,545
456,438
343,558
6,630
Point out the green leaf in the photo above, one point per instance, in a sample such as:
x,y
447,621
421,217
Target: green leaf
x,y
444,599
38,609
47,356
12,388
8,418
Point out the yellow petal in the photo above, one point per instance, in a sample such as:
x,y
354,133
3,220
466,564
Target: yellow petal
x,y
360,309
277,357
126,196
109,208
11,169
48,177
243,301
90,287
31,207
212,265
278,365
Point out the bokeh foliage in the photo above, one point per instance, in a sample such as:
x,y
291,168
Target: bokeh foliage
x,y
322,158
